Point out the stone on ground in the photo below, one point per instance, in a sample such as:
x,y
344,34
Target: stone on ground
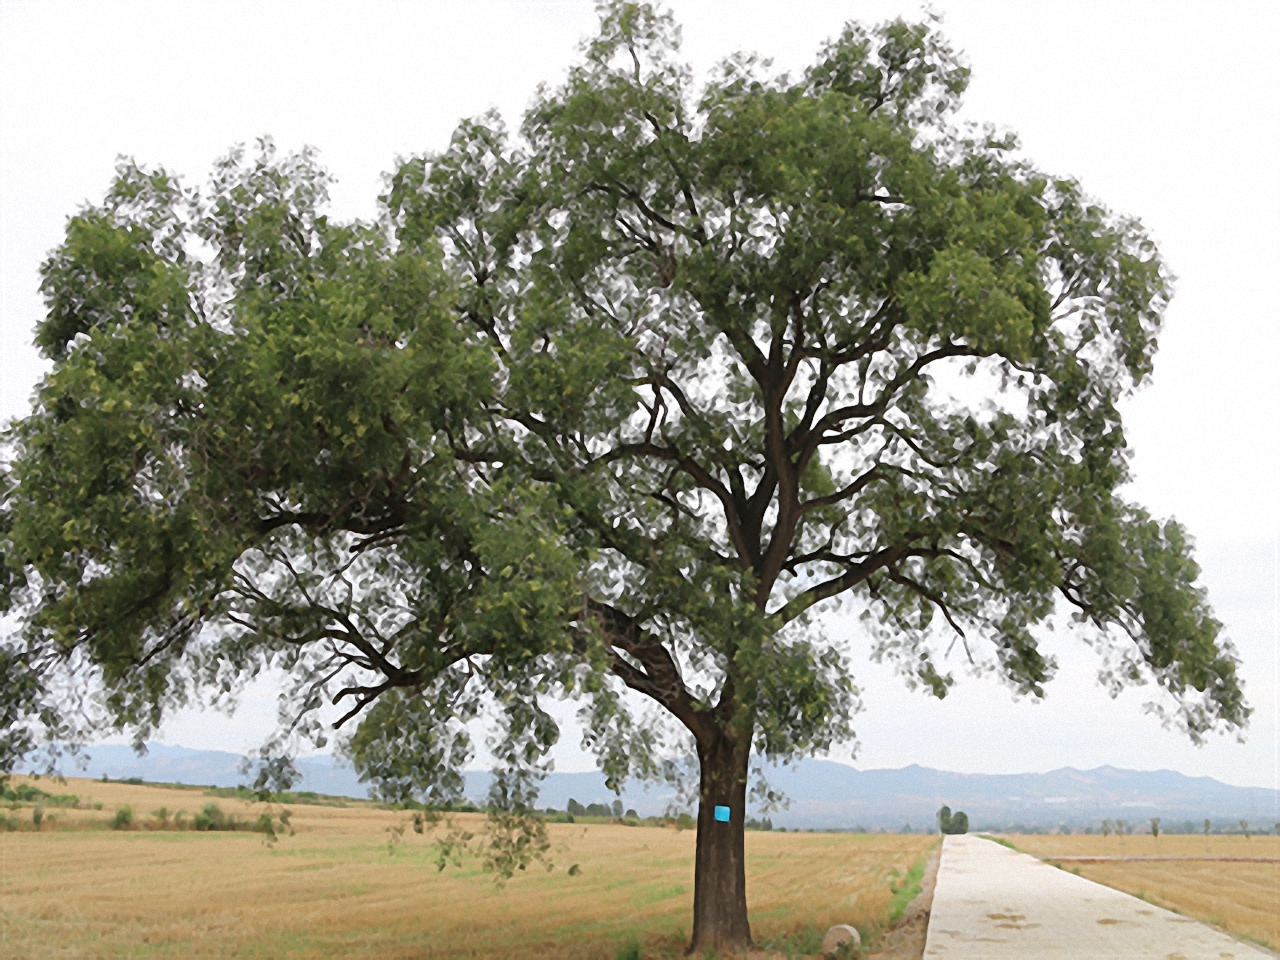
x,y
841,935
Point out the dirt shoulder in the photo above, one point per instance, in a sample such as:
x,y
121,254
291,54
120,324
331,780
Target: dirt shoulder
x,y
905,940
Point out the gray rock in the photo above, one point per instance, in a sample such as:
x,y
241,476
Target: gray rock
x,y
841,940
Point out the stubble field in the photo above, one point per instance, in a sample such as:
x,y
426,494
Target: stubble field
x,y
334,890
1241,898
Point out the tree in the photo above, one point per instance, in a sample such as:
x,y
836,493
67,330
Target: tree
x,y
949,823
622,406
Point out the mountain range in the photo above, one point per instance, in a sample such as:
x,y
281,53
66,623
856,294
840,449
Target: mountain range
x,y
822,794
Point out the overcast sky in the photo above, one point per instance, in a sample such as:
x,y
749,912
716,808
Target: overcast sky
x,y
1164,110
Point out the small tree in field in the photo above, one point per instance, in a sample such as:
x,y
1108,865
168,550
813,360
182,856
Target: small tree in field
x,y
609,413
1155,828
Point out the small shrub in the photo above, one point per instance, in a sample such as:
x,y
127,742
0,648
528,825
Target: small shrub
x,y
37,815
629,951
23,793
684,822
162,817
210,817
123,819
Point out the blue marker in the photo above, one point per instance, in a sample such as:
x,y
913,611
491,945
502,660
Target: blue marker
x,y
722,814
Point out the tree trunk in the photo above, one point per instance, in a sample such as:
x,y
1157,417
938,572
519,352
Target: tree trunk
x,y
720,879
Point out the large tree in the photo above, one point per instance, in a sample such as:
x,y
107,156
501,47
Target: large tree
x,y
617,406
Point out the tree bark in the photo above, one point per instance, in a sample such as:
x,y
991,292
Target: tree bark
x,y
720,880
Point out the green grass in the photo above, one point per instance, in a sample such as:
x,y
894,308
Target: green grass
x,y
910,887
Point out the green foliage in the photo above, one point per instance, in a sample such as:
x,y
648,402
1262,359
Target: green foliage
x,y
952,823
30,793
609,415
908,889
22,793
211,817
123,820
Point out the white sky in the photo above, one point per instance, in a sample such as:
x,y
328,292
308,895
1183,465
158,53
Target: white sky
x,y
1164,110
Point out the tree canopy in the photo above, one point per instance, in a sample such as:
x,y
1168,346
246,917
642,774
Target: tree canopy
x,y
612,407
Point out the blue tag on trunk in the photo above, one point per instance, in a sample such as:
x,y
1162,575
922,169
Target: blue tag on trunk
x,y
722,814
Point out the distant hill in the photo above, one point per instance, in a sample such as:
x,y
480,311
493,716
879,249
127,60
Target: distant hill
x,y
823,793
213,768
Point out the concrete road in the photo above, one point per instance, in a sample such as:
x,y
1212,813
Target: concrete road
x,y
992,903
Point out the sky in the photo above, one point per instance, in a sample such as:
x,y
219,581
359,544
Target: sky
x,y
1163,110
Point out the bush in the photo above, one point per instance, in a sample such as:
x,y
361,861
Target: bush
x,y
23,793
123,819
37,815
211,817
684,822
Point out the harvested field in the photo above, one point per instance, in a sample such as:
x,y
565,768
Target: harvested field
x,y
1238,896
334,890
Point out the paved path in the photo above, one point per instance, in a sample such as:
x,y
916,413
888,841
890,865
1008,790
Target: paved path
x,y
992,903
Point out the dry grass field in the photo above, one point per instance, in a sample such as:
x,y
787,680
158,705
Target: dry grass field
x,y
1241,898
333,889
